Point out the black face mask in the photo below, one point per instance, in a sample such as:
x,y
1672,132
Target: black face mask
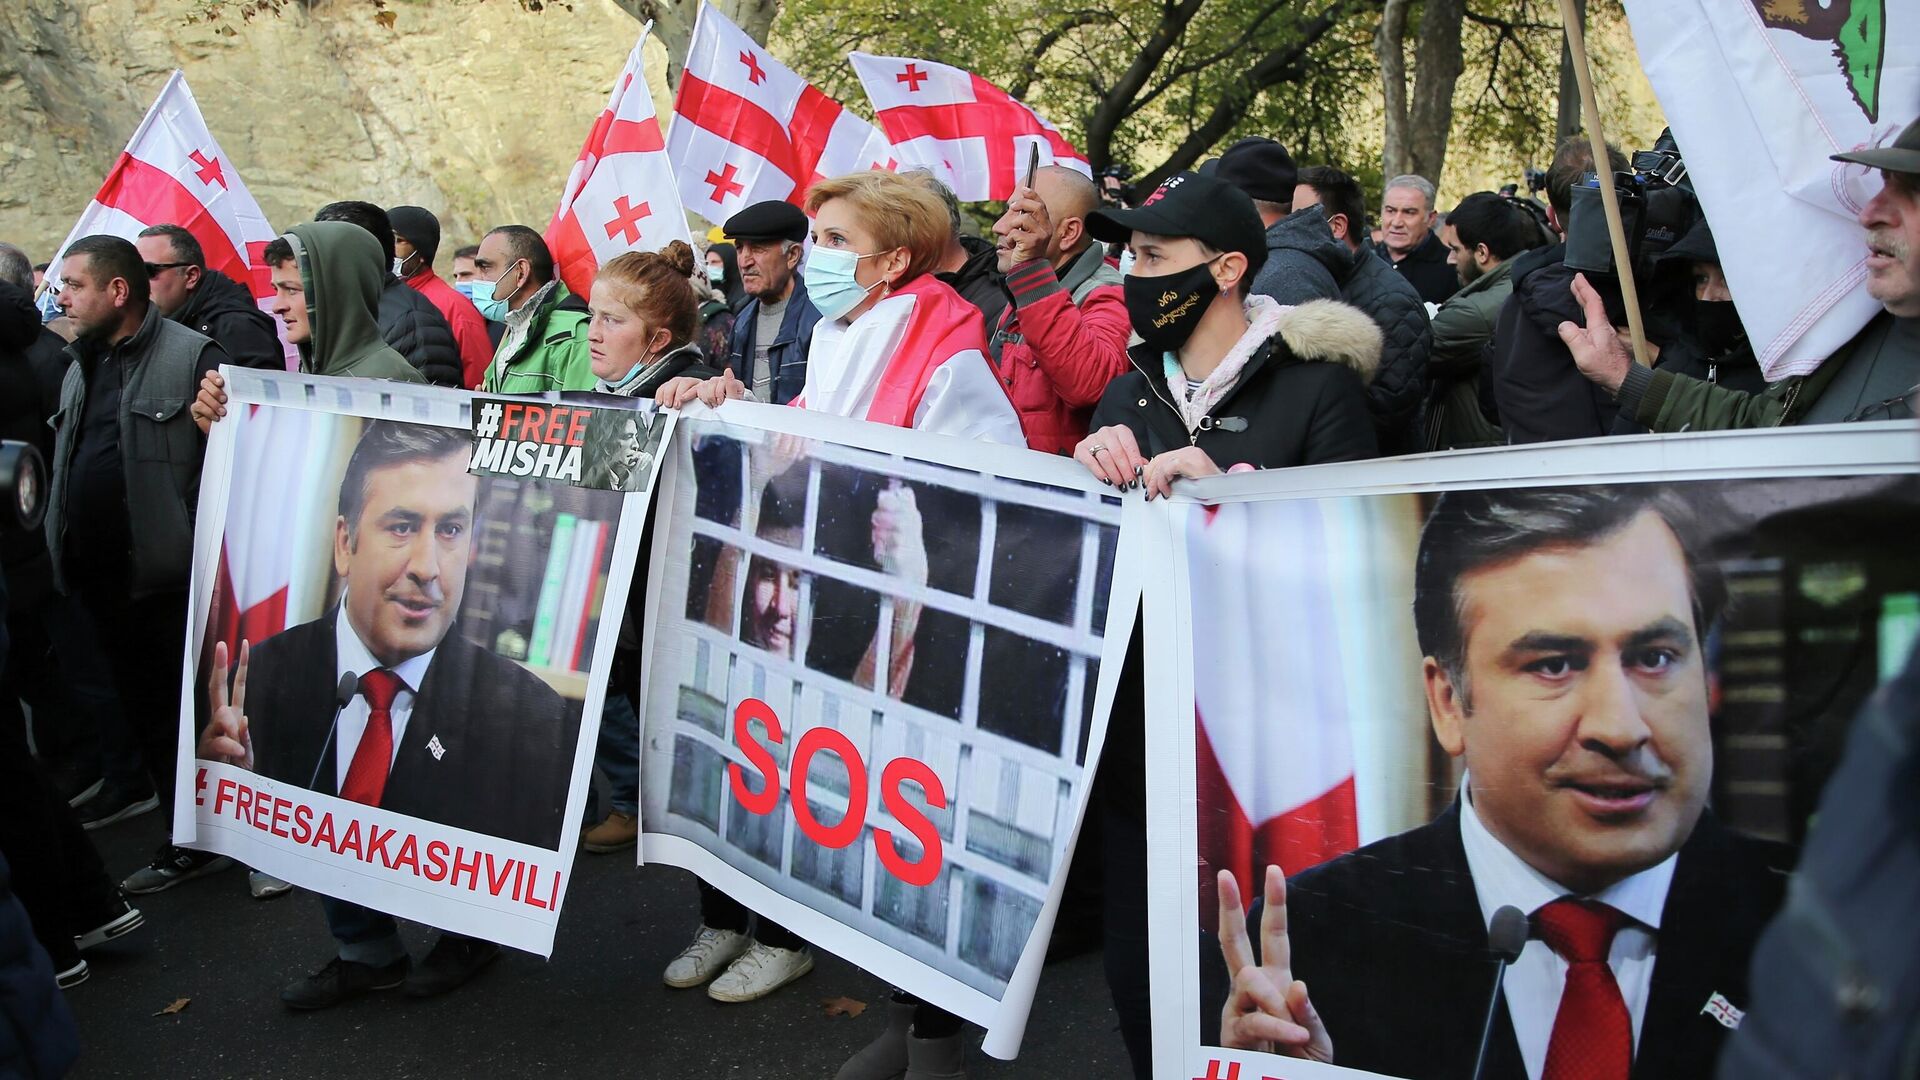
x,y
1165,310
1717,326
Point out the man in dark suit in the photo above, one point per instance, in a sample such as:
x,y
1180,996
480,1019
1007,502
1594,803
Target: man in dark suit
x,y
1562,631
425,723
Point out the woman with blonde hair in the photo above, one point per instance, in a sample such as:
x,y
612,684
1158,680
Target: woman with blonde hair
x,y
894,344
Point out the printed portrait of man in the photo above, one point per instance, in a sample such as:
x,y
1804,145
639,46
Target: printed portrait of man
x,y
1562,632
381,700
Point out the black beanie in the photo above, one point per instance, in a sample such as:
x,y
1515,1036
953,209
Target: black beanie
x,y
417,226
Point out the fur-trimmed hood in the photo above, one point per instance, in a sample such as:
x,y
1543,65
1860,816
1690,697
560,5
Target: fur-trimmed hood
x,y
1328,331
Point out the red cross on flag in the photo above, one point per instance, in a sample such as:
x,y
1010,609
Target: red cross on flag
x,y
968,131
174,173
747,129
620,195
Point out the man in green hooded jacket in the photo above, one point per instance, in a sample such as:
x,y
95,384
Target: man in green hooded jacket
x,y
545,344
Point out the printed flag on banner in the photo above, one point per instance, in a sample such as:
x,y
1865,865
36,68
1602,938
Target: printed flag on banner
x,y
968,131
747,129
620,195
1273,753
174,173
1758,101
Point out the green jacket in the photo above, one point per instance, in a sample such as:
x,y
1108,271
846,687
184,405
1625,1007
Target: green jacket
x,y
1667,401
341,268
1461,329
553,356
160,446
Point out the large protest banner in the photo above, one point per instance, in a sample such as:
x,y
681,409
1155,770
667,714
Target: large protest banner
x,y
879,667
1429,689
405,603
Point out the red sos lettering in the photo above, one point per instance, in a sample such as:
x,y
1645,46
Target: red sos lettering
x,y
897,772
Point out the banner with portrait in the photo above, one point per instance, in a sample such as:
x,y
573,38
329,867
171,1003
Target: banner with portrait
x,y
879,667
405,605
1601,684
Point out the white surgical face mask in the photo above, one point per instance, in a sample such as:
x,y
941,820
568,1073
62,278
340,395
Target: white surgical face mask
x,y
399,267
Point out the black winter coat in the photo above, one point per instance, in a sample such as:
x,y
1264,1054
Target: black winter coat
x,y
1540,393
37,1033
1301,400
414,328
222,309
33,361
1400,383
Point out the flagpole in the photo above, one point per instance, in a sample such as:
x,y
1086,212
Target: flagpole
x,y
1609,201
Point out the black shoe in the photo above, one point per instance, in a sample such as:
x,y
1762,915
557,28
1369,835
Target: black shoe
x,y
116,920
75,782
453,960
173,866
111,804
342,980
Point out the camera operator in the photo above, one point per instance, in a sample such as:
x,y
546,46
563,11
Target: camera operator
x,y
1871,377
1711,344
1538,392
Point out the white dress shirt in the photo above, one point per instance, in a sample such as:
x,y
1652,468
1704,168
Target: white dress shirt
x,y
352,657
1535,981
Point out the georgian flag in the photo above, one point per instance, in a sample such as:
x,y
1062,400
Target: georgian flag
x,y
621,194
1275,761
747,129
964,129
1758,102
917,359
174,173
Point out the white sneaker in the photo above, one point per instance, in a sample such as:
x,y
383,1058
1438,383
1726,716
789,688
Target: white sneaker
x,y
712,950
760,971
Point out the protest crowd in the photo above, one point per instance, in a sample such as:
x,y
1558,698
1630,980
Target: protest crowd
x,y
1256,313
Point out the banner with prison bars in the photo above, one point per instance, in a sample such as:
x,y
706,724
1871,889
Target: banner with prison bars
x,y
879,668
401,640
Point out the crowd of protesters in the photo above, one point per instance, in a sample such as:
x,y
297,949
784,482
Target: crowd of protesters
x,y
1233,318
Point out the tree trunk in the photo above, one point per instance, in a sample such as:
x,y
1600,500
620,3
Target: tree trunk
x,y
1389,45
1438,64
673,23
1567,121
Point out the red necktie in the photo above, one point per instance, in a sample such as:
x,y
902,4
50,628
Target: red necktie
x,y
1592,1032
367,776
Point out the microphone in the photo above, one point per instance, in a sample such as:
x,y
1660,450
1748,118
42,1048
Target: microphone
x,y
343,692
1505,938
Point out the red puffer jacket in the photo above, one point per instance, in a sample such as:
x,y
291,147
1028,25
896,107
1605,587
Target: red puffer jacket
x,y
1059,344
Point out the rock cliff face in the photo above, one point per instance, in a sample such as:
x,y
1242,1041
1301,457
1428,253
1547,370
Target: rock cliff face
x,y
474,109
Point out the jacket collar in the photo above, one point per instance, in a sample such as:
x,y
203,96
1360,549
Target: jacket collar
x,y
1086,267
90,353
1485,281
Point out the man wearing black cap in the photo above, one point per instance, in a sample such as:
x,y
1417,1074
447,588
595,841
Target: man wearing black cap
x,y
1872,377
1220,381
1304,261
416,239
770,334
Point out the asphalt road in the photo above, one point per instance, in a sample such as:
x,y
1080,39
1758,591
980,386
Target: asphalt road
x,y
597,1009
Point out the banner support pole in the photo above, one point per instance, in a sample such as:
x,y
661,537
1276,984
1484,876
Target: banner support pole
x,y
1609,200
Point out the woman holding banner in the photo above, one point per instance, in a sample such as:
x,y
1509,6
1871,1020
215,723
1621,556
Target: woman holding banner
x,y
894,345
1221,382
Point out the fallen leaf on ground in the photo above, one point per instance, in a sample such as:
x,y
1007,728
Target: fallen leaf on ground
x,y
178,1004
844,1006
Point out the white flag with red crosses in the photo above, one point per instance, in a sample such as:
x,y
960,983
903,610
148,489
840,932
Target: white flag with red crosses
x,y
747,128
174,173
621,194
967,131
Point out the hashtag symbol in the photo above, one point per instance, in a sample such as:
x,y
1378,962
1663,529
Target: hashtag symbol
x,y
489,424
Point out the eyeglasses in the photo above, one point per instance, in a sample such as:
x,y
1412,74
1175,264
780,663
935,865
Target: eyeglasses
x,y
156,269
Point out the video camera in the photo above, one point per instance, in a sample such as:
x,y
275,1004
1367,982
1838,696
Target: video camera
x,y
1657,207
23,487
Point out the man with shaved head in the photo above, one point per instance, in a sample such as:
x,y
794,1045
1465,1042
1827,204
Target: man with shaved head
x,y
1065,336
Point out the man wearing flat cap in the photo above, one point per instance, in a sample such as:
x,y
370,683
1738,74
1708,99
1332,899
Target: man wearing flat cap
x,y
1871,377
416,239
770,334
